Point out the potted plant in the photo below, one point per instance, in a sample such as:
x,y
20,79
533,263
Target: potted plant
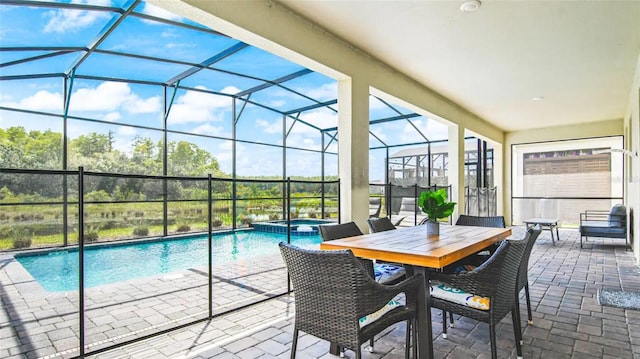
x,y
435,205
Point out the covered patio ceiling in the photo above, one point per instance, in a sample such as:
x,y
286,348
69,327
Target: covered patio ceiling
x,y
499,61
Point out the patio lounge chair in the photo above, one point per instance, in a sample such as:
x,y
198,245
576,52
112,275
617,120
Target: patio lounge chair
x,y
375,206
345,307
612,224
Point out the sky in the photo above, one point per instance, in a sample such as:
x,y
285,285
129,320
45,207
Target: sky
x,y
121,106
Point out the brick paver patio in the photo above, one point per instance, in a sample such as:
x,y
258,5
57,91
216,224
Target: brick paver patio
x,y
568,321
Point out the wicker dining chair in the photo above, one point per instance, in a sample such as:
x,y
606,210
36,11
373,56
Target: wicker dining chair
x,y
380,224
332,305
523,271
523,276
491,221
388,273
385,273
488,293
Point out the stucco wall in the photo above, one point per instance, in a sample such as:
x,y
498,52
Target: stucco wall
x,y
632,132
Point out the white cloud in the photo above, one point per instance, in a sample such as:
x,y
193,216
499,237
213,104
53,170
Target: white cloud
x,y
324,92
134,104
318,118
112,117
231,90
71,20
127,131
111,96
224,156
379,132
268,127
207,129
156,11
277,103
196,106
168,34
40,101
432,129
108,97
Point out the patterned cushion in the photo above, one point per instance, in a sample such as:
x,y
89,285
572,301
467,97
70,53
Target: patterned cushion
x,y
370,318
386,273
442,291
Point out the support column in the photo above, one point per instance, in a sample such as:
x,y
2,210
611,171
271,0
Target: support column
x,y
456,168
353,151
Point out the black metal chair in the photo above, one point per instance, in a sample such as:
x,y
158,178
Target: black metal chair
x,y
492,285
331,304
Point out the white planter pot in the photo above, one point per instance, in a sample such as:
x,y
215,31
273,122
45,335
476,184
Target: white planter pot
x,y
433,228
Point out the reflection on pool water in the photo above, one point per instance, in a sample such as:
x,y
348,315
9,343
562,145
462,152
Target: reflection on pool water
x,y
58,270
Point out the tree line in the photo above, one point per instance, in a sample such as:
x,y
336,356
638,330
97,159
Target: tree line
x,y
22,149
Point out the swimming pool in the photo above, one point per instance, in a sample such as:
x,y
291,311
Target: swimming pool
x,y
57,271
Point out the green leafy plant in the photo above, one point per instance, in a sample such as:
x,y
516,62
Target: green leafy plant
x,y
435,205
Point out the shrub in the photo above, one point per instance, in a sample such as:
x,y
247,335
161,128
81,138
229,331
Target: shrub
x,y
216,223
91,235
19,243
183,228
138,214
21,238
141,231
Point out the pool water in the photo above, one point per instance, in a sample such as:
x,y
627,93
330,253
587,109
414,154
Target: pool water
x,y
58,270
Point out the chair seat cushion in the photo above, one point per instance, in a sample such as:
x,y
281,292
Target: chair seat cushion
x,y
601,229
455,295
386,272
370,318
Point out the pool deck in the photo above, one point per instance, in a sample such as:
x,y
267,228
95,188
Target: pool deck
x,y
568,321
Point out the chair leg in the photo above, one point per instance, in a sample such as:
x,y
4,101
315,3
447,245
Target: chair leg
x,y
407,340
414,330
517,331
516,318
370,347
494,347
294,343
444,324
358,353
450,319
526,293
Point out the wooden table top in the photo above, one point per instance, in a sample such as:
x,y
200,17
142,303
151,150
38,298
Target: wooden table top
x,y
411,245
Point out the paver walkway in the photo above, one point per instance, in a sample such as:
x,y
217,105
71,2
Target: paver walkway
x,y
568,321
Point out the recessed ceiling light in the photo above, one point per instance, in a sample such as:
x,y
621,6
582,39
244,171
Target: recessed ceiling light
x,y
470,5
537,98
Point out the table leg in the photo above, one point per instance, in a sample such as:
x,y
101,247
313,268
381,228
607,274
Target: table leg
x,y
557,233
425,335
334,348
552,237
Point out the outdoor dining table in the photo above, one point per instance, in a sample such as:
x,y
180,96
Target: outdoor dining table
x,y
412,247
